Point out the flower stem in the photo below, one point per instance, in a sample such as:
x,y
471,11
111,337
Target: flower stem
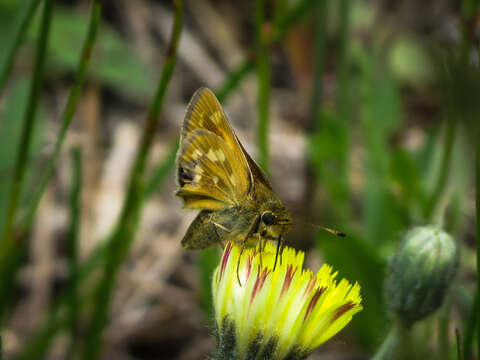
x,y
393,347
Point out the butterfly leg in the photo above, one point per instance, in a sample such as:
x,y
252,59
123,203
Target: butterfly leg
x,y
279,243
251,231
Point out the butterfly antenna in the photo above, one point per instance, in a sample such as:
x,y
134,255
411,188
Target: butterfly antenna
x,y
333,231
327,229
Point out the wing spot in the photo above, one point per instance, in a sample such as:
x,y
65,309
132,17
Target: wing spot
x,y
212,155
232,179
220,155
217,117
215,180
196,154
197,178
198,169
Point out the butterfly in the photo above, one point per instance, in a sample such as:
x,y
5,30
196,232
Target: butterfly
x,y
217,176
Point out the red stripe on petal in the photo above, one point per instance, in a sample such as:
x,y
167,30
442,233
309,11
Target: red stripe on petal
x,y
259,282
288,279
342,310
226,256
310,286
313,301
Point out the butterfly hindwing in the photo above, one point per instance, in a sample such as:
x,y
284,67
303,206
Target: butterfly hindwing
x,y
208,173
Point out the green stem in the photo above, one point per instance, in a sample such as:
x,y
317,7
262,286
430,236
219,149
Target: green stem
x,y
444,170
291,17
70,109
263,84
319,64
234,79
73,236
343,59
9,254
477,210
460,355
20,31
444,330
125,229
394,345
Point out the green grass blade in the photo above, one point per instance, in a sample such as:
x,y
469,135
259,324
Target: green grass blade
x,y
125,229
73,236
263,85
477,209
8,263
25,19
233,80
441,181
70,110
458,338
472,323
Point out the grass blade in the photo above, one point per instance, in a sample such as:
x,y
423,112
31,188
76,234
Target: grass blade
x,y
9,252
73,236
263,85
70,110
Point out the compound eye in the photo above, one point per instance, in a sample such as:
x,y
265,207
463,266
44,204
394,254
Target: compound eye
x,y
268,218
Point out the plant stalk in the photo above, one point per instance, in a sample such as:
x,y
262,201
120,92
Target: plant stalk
x,y
73,236
10,251
70,109
263,85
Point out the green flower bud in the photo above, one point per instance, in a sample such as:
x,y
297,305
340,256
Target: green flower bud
x,y
420,273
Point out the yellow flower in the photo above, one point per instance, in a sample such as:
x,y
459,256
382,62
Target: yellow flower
x,y
289,308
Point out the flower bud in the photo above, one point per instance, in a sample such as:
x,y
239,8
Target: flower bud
x,y
421,272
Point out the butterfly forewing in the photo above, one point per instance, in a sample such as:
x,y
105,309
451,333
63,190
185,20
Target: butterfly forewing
x,y
205,112
207,174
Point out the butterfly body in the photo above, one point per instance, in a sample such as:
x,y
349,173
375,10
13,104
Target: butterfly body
x,y
217,176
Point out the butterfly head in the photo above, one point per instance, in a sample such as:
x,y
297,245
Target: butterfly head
x,y
275,220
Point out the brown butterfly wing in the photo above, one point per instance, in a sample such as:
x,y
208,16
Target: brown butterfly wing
x,y
208,173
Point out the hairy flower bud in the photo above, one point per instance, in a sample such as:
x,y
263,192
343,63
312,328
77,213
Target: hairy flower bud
x,y
421,272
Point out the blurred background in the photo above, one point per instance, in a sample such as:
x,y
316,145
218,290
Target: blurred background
x,y
364,112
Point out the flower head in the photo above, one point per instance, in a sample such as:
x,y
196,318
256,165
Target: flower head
x,y
289,309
